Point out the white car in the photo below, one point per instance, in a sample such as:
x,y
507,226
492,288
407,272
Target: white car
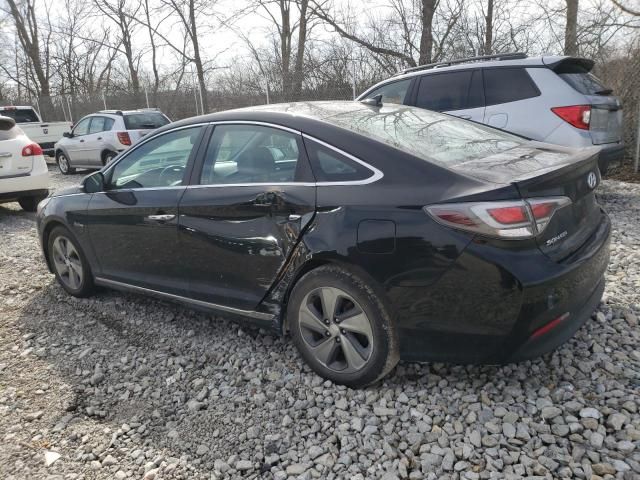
x,y
97,138
45,134
24,176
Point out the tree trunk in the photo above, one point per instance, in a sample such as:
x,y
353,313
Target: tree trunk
x,y
302,40
570,32
426,37
197,59
285,47
488,38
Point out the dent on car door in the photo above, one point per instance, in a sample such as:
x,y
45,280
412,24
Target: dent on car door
x,y
456,93
133,222
254,195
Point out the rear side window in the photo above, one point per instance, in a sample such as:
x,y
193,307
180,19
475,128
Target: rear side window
x,y
144,120
100,124
331,166
395,92
449,91
21,115
504,85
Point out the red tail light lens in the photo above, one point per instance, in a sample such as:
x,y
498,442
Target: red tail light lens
x,y
124,138
33,149
577,115
513,219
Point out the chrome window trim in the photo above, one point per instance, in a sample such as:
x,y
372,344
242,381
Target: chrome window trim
x,y
376,173
201,303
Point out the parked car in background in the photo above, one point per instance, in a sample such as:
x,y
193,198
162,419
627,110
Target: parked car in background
x,y
97,138
554,99
24,177
45,134
368,233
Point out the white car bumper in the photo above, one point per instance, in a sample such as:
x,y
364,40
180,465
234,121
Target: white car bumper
x,y
35,183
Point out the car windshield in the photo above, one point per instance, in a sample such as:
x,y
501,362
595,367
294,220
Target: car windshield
x,y
431,136
144,120
21,115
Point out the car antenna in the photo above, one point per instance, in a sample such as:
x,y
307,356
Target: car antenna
x,y
375,101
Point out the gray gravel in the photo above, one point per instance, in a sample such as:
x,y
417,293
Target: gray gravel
x,y
121,386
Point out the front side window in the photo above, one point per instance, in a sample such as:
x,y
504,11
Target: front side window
x,y
250,154
444,91
160,162
392,92
503,85
82,127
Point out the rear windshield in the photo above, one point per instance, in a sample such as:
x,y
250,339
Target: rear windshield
x,y
144,120
9,134
21,115
432,136
582,80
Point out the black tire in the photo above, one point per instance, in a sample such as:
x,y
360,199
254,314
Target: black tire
x,y
30,204
85,287
380,353
63,164
107,157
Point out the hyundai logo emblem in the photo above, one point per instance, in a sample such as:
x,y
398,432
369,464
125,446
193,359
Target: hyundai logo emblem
x,y
592,180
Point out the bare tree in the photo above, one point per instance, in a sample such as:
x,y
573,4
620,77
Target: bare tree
x,y
122,13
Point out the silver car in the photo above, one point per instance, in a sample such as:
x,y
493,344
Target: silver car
x,y
553,99
96,139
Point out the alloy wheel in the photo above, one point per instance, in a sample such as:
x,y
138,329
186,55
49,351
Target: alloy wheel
x,y
67,262
63,163
336,330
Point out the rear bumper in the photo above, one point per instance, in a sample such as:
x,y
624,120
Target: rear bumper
x,y
14,196
491,309
35,183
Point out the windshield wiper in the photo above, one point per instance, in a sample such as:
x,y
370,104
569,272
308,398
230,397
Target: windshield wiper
x,y
604,91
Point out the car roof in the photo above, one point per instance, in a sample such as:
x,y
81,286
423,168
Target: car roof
x,y
548,61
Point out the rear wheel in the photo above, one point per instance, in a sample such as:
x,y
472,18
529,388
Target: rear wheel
x,y
69,263
30,204
63,164
341,328
107,157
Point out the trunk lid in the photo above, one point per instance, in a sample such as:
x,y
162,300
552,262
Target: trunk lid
x,y
137,135
539,170
12,141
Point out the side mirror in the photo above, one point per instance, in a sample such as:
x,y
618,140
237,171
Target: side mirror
x,y
67,134
93,183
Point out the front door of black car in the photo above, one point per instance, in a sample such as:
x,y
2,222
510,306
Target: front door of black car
x,y
133,223
239,223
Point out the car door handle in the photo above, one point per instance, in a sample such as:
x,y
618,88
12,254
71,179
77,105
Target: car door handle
x,y
81,141
294,217
99,138
162,217
465,117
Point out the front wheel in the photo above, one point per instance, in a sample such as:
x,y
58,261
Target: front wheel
x,y
69,263
64,165
341,328
108,157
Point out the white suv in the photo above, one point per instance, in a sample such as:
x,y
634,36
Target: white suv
x,y
24,176
97,138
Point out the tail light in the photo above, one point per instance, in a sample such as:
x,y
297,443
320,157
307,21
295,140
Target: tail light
x,y
124,138
514,219
33,149
577,115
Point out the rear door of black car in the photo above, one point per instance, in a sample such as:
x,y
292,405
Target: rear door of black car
x,y
249,200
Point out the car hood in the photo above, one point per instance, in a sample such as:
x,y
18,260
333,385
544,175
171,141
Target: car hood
x,y
523,162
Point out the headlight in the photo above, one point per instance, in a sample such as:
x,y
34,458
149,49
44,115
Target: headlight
x,y
43,203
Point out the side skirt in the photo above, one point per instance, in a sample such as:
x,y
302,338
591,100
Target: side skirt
x,y
266,320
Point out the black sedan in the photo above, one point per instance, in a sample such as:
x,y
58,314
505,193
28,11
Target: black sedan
x,y
369,233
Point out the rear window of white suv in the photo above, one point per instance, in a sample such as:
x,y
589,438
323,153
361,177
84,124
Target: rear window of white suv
x,y
144,120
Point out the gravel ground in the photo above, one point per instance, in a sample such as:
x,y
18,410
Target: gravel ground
x,y
122,386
